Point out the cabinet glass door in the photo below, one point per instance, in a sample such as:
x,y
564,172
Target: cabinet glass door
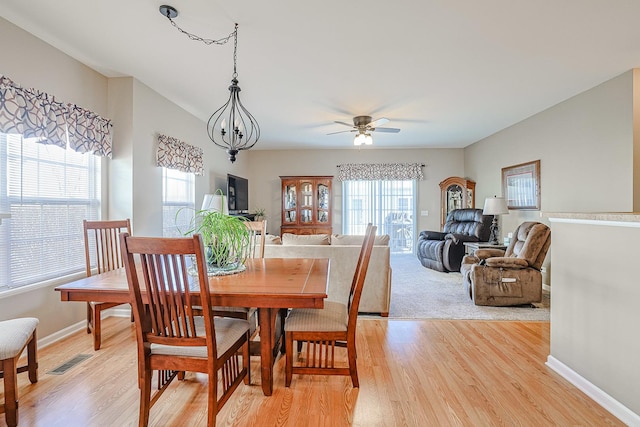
x,y
290,202
454,198
306,203
323,203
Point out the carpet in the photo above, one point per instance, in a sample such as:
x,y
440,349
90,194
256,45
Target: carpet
x,y
422,293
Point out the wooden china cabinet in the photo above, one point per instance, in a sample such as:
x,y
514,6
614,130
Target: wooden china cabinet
x,y
306,204
457,193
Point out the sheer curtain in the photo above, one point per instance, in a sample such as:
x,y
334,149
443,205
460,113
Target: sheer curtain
x,y
383,194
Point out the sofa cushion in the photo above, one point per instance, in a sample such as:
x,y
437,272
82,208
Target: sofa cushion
x,y
289,239
272,239
356,240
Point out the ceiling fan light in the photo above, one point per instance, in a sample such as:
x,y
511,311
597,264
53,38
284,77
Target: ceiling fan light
x,y
363,138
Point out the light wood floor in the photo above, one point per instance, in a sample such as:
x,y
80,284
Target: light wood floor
x,y
412,373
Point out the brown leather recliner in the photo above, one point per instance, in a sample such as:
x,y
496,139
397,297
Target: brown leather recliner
x,y
512,277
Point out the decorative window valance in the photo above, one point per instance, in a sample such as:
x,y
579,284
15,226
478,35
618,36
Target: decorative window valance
x,y
32,113
380,171
175,154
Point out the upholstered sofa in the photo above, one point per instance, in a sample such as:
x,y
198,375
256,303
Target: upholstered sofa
x,y
444,250
343,251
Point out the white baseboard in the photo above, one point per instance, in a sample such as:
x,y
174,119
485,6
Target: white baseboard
x,y
616,408
120,311
62,333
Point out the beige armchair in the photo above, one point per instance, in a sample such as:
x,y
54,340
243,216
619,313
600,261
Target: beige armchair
x,y
512,277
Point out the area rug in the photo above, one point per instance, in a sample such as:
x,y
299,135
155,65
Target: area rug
x,y
422,293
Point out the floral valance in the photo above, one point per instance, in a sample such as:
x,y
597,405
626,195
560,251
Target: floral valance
x,y
175,154
33,113
380,171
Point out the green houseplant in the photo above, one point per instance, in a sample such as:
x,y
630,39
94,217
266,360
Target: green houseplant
x,y
259,214
226,239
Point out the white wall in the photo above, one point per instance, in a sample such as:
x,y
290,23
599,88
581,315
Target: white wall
x,y
268,165
24,60
585,148
132,186
594,313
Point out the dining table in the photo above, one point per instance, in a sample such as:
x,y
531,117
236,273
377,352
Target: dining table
x,y
270,284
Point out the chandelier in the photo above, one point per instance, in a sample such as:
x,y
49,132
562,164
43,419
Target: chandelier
x,y
231,127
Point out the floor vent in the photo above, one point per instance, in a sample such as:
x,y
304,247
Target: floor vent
x,y
69,364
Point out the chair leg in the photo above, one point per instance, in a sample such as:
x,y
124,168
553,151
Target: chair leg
x,y
145,398
246,359
32,358
10,371
353,366
212,400
97,327
289,358
89,318
283,317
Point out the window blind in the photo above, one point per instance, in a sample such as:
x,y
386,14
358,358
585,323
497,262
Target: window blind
x,y
178,201
48,191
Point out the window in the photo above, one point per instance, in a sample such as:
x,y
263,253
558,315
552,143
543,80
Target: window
x,y
388,204
48,191
178,192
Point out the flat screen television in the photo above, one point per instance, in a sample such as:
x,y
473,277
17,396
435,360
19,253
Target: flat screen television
x,y
237,194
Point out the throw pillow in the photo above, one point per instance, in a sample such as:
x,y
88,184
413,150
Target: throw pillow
x,y
356,240
270,239
305,239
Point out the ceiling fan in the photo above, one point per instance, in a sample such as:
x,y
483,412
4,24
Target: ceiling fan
x,y
364,126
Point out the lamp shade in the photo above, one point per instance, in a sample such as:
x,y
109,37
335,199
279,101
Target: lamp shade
x,y
363,138
215,202
495,206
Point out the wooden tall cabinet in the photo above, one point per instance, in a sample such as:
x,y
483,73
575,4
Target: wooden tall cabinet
x,y
457,193
306,204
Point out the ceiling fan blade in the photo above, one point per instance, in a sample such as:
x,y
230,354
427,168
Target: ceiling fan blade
x,y
378,122
343,123
342,131
387,130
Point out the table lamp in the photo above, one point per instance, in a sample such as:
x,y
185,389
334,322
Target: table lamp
x,y
216,202
495,206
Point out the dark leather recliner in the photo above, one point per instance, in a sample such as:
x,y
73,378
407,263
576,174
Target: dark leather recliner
x,y
443,251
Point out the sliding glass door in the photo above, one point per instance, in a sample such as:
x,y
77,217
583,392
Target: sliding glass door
x,y
388,204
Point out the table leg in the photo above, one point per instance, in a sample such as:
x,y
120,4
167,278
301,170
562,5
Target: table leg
x,y
266,320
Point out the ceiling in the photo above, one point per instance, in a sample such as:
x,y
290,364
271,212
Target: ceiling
x,y
447,72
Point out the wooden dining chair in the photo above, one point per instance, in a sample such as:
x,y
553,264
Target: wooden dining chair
x,y
171,338
322,330
101,238
257,232
15,335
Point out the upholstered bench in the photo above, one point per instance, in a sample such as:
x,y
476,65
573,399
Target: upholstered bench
x,y
15,335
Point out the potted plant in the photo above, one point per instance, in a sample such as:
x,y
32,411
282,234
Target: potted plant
x,y
259,214
226,239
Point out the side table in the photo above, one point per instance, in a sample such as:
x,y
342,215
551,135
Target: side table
x,y
470,247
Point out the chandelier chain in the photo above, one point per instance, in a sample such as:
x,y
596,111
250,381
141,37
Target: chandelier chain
x,y
235,50
221,41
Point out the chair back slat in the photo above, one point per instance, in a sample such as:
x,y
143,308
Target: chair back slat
x,y
103,237
169,317
257,232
